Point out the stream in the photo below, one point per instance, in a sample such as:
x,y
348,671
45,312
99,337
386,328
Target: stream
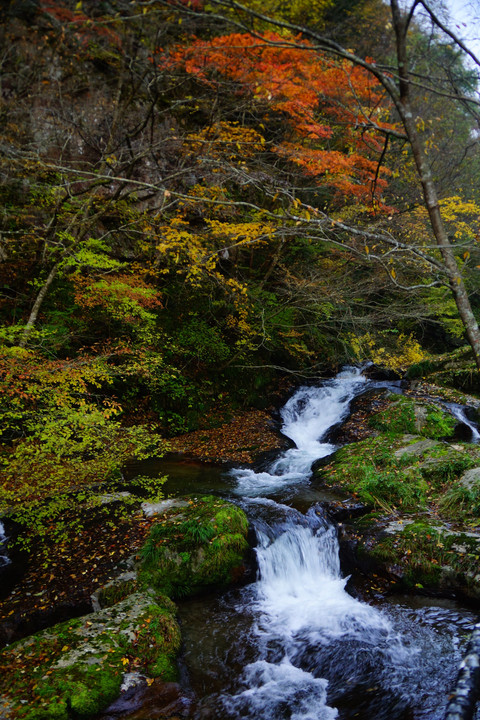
x,y
295,644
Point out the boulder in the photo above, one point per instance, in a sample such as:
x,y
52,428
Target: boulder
x,y
470,479
195,548
78,666
415,447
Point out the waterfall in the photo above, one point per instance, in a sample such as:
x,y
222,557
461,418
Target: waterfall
x,y
295,644
4,559
299,599
460,412
307,417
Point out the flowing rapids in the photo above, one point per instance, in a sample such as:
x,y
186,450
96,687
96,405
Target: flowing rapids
x,y
4,559
460,413
307,417
295,644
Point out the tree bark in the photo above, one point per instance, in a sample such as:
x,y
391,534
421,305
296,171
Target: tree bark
x,y
36,307
402,102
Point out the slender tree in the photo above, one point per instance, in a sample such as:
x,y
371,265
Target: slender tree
x,y
398,82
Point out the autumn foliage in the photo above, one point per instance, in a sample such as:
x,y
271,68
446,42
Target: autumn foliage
x,y
333,108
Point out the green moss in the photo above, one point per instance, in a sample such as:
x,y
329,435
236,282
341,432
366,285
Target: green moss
x,y
405,416
90,697
370,470
443,471
195,548
114,592
460,501
438,424
82,661
399,417
56,710
429,555
165,668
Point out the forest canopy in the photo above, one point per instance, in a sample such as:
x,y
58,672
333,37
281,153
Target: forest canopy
x,y
200,197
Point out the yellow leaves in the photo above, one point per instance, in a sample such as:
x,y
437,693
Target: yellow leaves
x,y
402,350
393,274
225,140
241,233
420,124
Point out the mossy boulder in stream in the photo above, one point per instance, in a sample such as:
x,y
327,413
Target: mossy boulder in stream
x,y
75,669
423,553
405,415
196,547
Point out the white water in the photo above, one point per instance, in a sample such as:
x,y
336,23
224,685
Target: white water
x,y
309,414
460,413
295,644
299,599
4,559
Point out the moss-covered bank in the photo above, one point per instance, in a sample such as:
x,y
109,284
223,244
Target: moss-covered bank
x,y
75,669
423,492
423,553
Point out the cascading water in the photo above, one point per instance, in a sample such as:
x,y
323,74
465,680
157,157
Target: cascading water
x,y
295,644
460,413
4,559
309,414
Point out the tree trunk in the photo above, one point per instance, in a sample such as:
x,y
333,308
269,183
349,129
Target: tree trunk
x,y
36,307
402,102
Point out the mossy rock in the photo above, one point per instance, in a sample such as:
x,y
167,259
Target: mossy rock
x,y
195,548
425,554
370,470
405,415
75,669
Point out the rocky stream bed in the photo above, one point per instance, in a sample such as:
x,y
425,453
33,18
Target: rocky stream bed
x,y
404,491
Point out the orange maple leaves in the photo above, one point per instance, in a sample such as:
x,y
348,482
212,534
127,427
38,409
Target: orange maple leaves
x,y
331,106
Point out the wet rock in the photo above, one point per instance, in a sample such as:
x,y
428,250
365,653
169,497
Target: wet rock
x,y
345,510
377,372
461,705
150,702
462,432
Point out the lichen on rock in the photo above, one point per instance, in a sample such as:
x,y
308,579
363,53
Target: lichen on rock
x,y
75,668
